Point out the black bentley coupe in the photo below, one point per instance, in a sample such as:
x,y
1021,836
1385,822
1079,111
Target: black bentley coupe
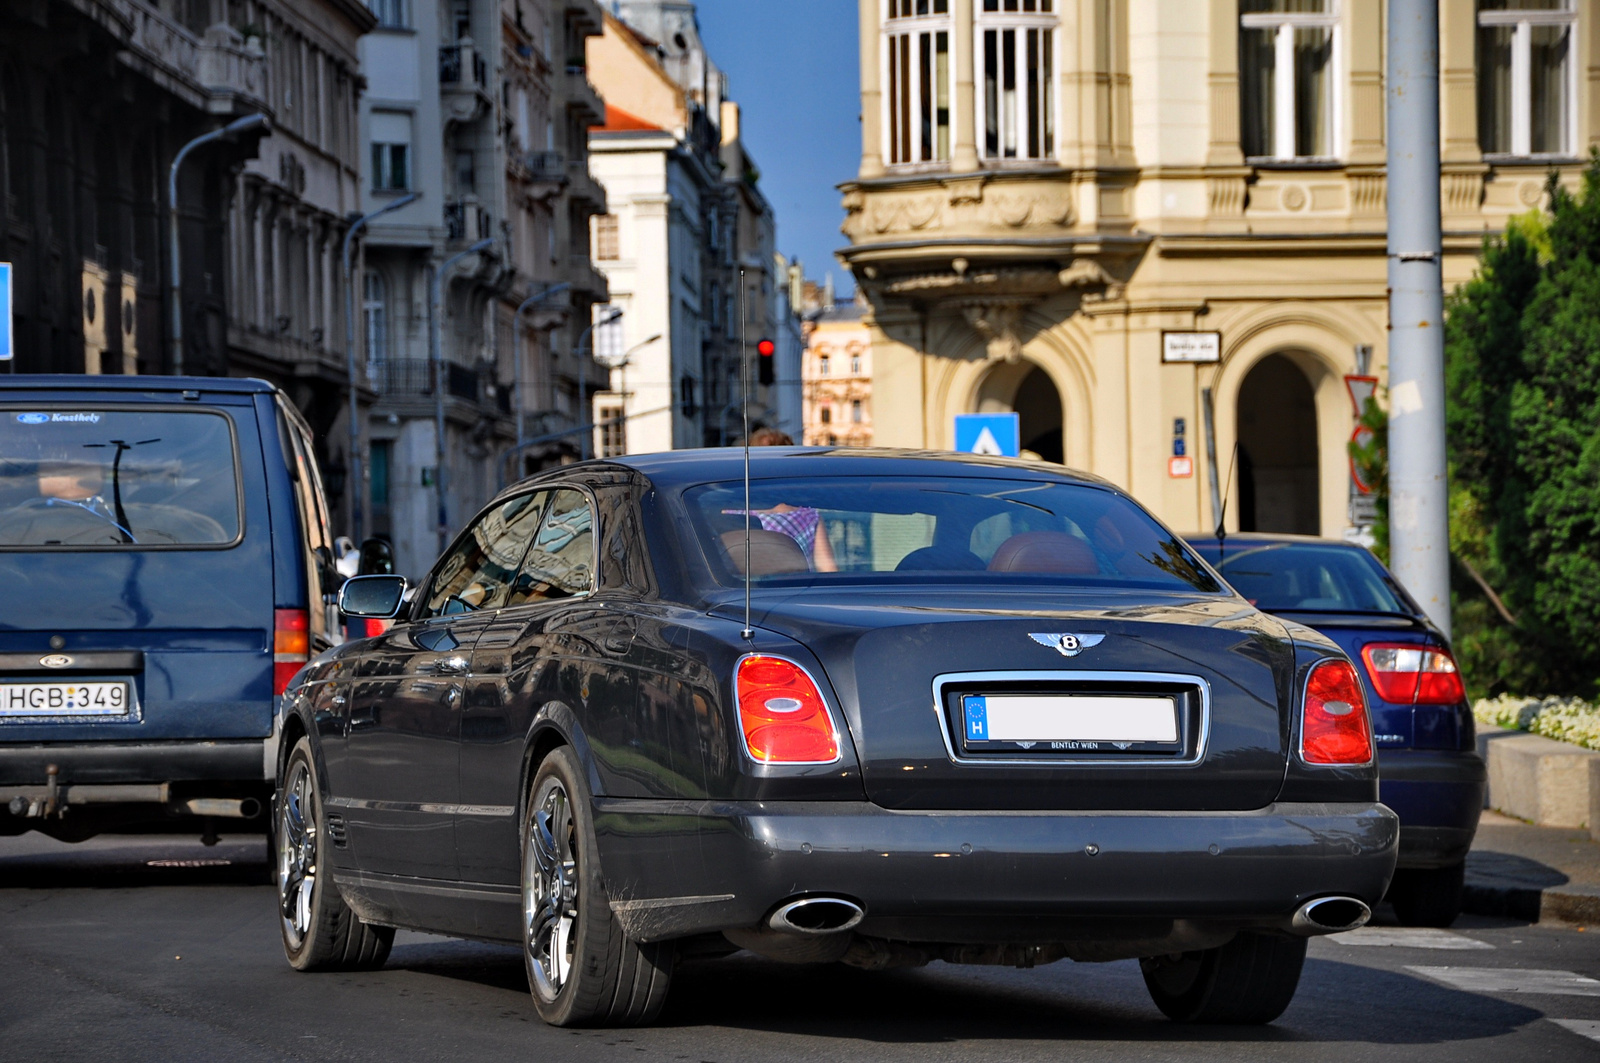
x,y
871,707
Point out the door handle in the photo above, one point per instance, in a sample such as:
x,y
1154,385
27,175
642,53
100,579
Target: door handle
x,y
451,666
337,700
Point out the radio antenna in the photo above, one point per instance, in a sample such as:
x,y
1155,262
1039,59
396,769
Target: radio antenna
x,y
744,403
1222,514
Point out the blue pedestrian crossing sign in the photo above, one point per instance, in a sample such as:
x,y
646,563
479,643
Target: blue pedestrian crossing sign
x,y
6,332
995,434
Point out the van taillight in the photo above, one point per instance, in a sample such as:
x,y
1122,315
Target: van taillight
x,y
1407,674
291,645
782,714
1334,728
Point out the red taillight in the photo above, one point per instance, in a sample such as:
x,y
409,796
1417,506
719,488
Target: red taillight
x,y
1407,674
291,645
783,715
1334,727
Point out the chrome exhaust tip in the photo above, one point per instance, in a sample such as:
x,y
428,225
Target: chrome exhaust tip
x,y
816,915
223,807
1331,915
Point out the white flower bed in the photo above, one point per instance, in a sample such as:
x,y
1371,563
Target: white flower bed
x,y
1565,719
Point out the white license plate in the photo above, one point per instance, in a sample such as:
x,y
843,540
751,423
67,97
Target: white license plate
x,y
84,698
1069,721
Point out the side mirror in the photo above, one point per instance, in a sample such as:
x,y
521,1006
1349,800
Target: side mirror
x,y
377,558
373,597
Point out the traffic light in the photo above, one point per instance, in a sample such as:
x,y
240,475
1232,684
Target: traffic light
x,y
766,373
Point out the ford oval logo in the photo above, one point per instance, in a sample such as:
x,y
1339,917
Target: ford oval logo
x,y
55,660
33,418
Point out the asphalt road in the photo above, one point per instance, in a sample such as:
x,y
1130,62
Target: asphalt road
x,y
161,949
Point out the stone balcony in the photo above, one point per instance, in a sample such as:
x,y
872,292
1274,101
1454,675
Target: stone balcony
x,y
464,82
219,71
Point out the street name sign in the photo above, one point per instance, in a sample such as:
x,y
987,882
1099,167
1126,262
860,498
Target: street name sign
x,y
1191,346
995,434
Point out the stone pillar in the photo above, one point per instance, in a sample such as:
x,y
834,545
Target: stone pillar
x,y
1224,148
1458,82
964,155
871,93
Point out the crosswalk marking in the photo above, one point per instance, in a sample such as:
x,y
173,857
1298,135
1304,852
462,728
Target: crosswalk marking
x,y
1409,938
1582,1027
1512,980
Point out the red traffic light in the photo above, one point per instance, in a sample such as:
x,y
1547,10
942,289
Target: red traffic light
x,y
766,348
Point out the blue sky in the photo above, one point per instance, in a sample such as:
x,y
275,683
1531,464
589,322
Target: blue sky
x,y
793,69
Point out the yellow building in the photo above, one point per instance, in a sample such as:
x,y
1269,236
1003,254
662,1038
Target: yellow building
x,y
836,377
1096,213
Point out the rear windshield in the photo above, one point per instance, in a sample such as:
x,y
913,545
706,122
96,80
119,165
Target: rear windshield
x,y
907,529
127,478
1290,577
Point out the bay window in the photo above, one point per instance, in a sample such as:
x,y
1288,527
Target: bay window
x,y
1287,78
920,80
1015,68
1525,77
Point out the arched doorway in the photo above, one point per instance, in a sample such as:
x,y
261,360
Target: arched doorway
x,y
1277,433
1027,390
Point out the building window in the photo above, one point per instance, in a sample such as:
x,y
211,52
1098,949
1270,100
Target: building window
x,y
825,415
855,365
1015,66
1286,67
1525,77
855,411
391,13
613,430
823,365
391,151
380,461
917,53
374,307
607,242
610,345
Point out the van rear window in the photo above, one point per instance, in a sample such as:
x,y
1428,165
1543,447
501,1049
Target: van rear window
x,y
118,478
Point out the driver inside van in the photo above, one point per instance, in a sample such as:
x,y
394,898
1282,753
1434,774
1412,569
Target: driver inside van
x,y
64,487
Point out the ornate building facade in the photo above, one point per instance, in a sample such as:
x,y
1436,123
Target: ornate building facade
x,y
1134,221
836,374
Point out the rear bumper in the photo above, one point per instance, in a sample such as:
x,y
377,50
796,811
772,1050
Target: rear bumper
x,y
134,762
680,868
1438,795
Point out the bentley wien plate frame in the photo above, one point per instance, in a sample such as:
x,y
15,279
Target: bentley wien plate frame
x,y
1132,680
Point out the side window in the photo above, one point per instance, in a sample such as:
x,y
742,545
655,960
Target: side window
x,y
312,508
478,572
560,563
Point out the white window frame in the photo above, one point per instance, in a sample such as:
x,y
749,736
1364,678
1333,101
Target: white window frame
x,y
1048,23
914,26
375,319
1284,23
1522,22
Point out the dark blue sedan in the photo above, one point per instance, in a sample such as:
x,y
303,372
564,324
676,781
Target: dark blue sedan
x,y
1428,766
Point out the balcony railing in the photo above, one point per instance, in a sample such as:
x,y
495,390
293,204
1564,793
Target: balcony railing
x,y
546,165
465,218
415,376
457,59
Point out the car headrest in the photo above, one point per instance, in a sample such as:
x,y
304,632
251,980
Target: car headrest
x,y
771,553
940,559
1045,551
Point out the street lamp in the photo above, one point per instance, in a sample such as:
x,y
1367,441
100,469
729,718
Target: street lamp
x,y
583,377
516,347
230,132
357,462
436,360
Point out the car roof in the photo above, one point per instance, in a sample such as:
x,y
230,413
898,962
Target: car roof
x,y
680,467
81,382
1269,539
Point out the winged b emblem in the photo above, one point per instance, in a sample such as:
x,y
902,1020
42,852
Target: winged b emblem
x,y
1067,644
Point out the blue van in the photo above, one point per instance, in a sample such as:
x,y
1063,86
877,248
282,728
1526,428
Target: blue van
x,y
165,569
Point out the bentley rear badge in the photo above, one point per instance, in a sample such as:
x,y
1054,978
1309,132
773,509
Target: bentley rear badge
x,y
1068,645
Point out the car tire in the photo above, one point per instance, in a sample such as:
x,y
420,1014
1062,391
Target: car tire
x,y
582,969
1248,981
1428,896
320,932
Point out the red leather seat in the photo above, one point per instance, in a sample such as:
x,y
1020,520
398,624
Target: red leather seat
x,y
771,553
1043,551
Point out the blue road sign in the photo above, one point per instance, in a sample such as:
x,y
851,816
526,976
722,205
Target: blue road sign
x,y
998,434
6,333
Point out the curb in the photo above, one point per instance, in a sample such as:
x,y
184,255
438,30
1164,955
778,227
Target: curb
x,y
1484,895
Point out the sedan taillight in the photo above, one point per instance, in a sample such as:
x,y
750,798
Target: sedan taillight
x,y
291,645
1334,728
1407,674
782,714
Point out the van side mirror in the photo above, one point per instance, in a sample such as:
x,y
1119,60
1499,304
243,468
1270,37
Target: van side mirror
x,y
373,597
377,558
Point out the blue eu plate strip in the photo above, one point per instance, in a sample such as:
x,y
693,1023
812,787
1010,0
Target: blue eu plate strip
x,y
977,712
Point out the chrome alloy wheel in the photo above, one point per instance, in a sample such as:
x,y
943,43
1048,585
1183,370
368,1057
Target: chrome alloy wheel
x,y
550,892
297,853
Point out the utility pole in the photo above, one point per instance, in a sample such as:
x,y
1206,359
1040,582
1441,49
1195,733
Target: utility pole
x,y
230,133
440,381
357,462
1419,518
